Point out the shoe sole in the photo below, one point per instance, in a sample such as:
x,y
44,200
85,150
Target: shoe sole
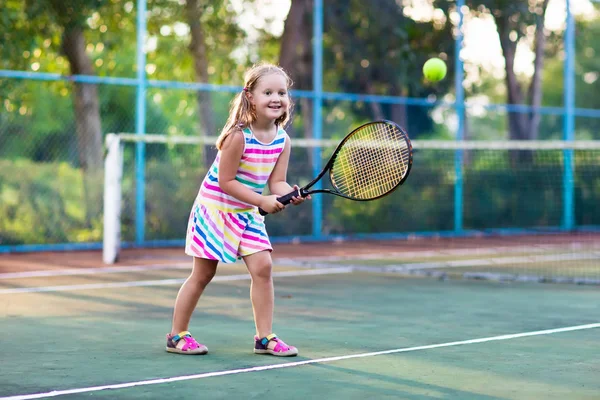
x,y
289,353
197,352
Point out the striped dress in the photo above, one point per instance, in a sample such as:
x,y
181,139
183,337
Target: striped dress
x,y
222,227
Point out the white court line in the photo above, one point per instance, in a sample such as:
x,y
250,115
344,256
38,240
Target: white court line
x,y
56,393
94,271
163,282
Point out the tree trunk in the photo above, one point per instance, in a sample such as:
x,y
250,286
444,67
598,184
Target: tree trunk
x,y
535,88
87,121
198,49
523,126
376,109
85,99
292,39
517,121
398,111
296,58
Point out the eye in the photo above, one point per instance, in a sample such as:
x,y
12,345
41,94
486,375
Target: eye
x,y
268,92
283,93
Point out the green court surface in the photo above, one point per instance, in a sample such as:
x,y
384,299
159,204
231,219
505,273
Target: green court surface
x,y
360,335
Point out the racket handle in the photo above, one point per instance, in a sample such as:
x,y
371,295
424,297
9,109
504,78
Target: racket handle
x,y
285,200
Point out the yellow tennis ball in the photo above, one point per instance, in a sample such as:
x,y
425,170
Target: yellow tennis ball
x,y
434,69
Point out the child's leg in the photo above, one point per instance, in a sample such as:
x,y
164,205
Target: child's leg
x,y
261,291
202,273
262,296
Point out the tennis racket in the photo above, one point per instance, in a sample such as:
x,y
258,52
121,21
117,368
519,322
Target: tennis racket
x,y
371,162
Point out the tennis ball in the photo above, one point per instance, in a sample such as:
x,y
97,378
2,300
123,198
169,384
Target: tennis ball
x,y
434,69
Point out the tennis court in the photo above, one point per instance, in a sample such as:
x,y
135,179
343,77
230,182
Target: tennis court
x,y
74,328
477,278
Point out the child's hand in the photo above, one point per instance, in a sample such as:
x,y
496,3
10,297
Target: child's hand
x,y
271,205
299,199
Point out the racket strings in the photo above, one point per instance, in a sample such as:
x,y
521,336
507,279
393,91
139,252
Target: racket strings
x,y
371,162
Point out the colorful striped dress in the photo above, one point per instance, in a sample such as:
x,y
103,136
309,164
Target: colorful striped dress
x,y
222,227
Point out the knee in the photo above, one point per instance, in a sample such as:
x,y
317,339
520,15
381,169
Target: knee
x,y
202,278
262,272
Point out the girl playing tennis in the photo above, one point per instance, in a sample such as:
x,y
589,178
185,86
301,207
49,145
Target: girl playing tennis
x,y
224,223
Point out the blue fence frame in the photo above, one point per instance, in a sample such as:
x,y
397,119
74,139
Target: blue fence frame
x,y
569,121
141,83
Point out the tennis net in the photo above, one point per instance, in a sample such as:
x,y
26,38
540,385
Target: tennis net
x,y
546,193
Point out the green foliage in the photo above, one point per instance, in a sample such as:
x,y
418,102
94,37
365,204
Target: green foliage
x,y
44,203
369,47
388,49
385,56
587,77
222,37
66,14
496,195
37,120
170,192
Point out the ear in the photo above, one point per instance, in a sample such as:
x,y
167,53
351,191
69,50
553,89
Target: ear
x,y
250,97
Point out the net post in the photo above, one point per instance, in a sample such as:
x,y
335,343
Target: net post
x,y
113,172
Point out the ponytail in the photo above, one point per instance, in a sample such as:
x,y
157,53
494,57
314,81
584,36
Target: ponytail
x,y
241,116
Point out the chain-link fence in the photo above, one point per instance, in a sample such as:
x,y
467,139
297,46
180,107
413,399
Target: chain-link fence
x,y
71,73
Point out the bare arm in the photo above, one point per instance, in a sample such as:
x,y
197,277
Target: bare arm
x,y
278,180
231,154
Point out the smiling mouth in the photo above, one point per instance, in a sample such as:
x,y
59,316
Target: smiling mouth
x,y
275,107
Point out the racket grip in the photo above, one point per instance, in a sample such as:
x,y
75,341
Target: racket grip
x,y
285,200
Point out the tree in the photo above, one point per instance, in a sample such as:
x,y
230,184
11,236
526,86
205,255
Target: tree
x,y
587,82
296,58
70,19
194,10
513,22
41,114
369,47
213,36
374,48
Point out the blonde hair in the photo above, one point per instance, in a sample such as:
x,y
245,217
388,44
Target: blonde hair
x,y
241,112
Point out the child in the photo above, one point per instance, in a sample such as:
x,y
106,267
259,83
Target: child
x,y
224,223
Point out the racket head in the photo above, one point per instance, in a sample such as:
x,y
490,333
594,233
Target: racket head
x,y
371,162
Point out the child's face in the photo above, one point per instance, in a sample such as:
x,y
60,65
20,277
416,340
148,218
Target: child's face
x,y
270,96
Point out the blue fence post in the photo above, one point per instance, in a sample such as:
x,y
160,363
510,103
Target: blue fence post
x,y
317,202
140,126
569,122
460,111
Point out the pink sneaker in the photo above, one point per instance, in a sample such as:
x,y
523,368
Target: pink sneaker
x,y
261,346
184,343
